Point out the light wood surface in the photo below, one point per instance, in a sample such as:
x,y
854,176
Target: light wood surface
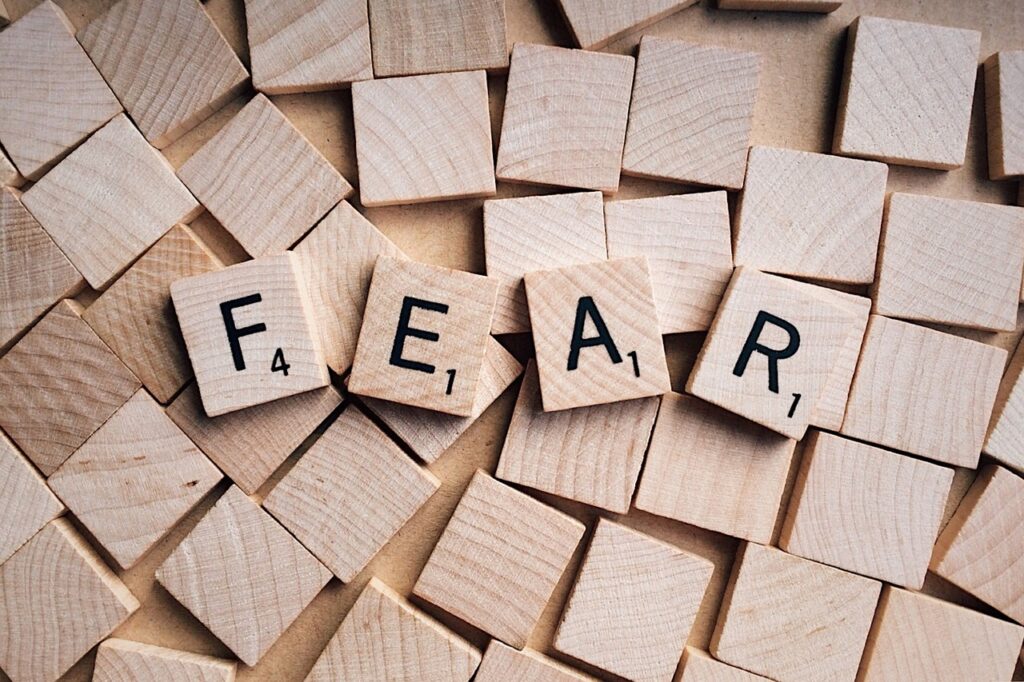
x,y
697,666
816,6
9,175
1004,88
1006,430
120,660
26,503
831,408
595,23
502,663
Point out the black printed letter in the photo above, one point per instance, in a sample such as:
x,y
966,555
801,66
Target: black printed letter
x,y
584,307
234,333
772,354
404,330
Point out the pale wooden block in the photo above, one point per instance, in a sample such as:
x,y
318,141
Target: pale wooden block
x,y
907,92
263,180
831,408
923,391
57,601
918,637
1006,430
1004,89
384,637
499,559
119,659
52,95
791,619
537,233
504,664
595,23
697,666
423,138
976,283
430,36
687,241
816,6
242,575
308,46
424,336
135,316
602,317
633,604
565,132
134,479
691,113
981,547
168,63
26,503
9,175
250,333
711,469
59,384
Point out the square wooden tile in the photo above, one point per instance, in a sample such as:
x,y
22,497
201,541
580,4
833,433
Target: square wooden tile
x,y
698,666
595,23
502,663
691,113
1004,88
1006,429
815,6
831,408
120,659
26,503
499,559
565,132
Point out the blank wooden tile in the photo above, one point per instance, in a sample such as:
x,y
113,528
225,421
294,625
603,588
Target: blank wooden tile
x,y
595,23
697,666
53,96
831,408
788,618
609,309
168,63
907,92
816,6
504,664
709,468
242,575
564,132
1006,430
691,114
384,637
59,383
26,503
1004,88
9,175
499,559
58,600
274,351
264,181
120,659
923,391
423,337
423,138
686,239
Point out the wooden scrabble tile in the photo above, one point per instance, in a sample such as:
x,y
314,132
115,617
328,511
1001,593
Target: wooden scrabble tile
x,y
242,575
504,664
918,637
26,503
57,600
1004,87
894,108
595,330
423,337
567,133
709,468
595,23
250,333
168,63
976,284
923,391
134,479
52,95
120,659
697,666
788,618
816,6
308,46
264,181
499,559
385,637
588,454
423,138
36,272
691,114
59,383
430,36
1006,429
980,549
831,408
9,175
687,241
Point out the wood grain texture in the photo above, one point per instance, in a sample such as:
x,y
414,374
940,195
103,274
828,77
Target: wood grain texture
x,y
1006,430
697,666
565,132
423,138
499,559
1004,88
167,62
263,180
242,575
907,92
502,663
691,114
595,23
26,503
9,175
816,6
831,408
119,660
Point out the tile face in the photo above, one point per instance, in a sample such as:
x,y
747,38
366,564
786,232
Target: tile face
x,y
249,333
167,62
907,92
816,6
120,659
52,96
691,113
567,133
26,503
633,604
595,330
423,337
109,201
423,138
595,23
1006,430
687,241
499,559
264,181
242,575
1004,88
504,664
699,667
